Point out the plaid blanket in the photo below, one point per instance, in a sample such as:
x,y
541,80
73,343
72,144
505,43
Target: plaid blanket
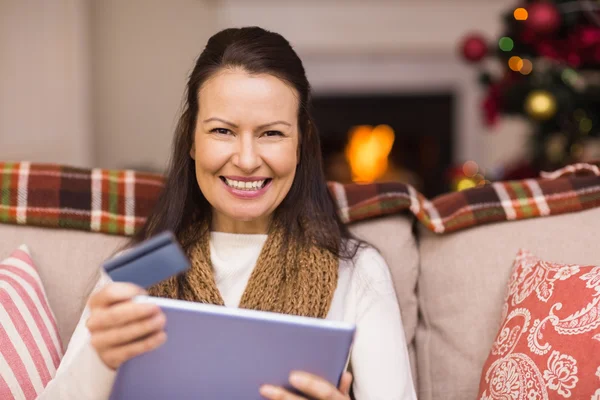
x,y
56,196
118,201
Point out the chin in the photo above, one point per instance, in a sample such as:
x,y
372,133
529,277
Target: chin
x,y
245,216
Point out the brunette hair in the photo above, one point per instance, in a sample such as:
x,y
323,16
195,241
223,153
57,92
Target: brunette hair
x,y
308,212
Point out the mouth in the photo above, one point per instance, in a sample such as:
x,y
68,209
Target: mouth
x,y
246,185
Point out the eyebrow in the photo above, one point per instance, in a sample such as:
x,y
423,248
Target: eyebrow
x,y
235,126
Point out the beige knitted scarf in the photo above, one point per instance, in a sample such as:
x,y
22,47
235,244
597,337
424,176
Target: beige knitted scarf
x,y
299,281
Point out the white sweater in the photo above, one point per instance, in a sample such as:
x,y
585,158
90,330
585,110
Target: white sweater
x,y
364,295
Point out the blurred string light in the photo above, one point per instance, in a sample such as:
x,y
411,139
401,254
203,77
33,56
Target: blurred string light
x,y
585,123
577,150
506,44
515,63
470,176
521,14
522,65
570,77
470,169
368,150
465,183
540,105
527,67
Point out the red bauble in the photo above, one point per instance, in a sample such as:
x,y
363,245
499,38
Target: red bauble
x,y
543,18
474,48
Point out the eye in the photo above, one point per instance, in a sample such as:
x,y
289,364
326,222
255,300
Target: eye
x,y
273,133
221,131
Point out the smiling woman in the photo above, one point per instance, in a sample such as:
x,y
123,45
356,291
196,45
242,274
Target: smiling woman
x,y
246,157
247,198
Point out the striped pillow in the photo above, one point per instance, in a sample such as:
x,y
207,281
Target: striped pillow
x,y
30,347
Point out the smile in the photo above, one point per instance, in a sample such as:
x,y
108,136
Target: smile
x,y
246,185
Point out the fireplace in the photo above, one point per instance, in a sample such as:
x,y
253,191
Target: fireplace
x,y
405,137
429,100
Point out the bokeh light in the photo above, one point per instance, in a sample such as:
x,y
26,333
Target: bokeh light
x,y
527,67
465,183
585,125
521,14
576,150
515,63
506,44
470,169
569,75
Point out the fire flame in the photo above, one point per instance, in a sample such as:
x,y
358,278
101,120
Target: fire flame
x,y
368,150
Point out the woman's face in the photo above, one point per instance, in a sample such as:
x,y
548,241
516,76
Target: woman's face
x,y
245,147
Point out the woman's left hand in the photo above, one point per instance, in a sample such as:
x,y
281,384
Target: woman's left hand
x,y
313,386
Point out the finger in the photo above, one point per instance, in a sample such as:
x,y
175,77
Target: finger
x,y
278,393
119,315
315,386
115,292
128,333
345,383
118,355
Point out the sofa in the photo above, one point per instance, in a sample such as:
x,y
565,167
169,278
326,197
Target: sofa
x,y
450,257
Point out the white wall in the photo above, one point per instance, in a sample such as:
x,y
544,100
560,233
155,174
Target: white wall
x,y
142,53
44,81
398,45
371,26
100,83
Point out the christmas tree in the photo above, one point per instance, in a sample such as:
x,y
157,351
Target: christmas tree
x,y
545,66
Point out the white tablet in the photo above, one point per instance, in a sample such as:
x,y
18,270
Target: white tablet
x,y
215,352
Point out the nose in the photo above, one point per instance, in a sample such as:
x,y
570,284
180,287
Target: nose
x,y
247,157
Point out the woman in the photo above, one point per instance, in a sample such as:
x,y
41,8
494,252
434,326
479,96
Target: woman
x,y
246,196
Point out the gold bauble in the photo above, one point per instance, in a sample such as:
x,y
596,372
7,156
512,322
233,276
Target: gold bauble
x,y
540,105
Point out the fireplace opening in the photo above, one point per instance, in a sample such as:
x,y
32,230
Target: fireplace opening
x,y
406,137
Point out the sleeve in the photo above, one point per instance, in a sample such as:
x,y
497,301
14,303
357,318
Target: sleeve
x,y
81,374
379,358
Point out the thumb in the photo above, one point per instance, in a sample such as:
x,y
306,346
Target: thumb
x,y
345,383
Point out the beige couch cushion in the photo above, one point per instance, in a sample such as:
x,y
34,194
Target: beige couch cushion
x,y
67,261
393,237
462,287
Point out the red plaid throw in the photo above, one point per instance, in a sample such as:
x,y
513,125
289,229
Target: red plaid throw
x,y
118,202
57,196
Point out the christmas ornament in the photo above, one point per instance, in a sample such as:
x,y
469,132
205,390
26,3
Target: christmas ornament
x,y
491,104
543,18
474,48
540,105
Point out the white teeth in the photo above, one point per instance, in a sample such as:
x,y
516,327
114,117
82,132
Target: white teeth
x,y
244,185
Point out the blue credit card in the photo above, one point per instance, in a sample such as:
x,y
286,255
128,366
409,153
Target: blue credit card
x,y
150,262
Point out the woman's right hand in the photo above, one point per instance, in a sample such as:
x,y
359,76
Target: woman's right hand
x,y
121,329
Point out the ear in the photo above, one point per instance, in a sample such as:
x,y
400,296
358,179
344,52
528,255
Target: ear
x,y
193,151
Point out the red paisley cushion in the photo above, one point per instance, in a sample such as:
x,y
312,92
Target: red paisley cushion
x,y
548,346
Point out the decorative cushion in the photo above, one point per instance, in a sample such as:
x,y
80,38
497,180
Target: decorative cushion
x,y
30,347
548,346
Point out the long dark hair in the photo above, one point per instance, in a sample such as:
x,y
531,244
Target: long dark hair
x,y
308,211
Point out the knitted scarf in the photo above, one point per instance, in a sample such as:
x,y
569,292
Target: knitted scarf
x,y
299,281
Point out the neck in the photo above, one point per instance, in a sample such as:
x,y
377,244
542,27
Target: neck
x,y
221,223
